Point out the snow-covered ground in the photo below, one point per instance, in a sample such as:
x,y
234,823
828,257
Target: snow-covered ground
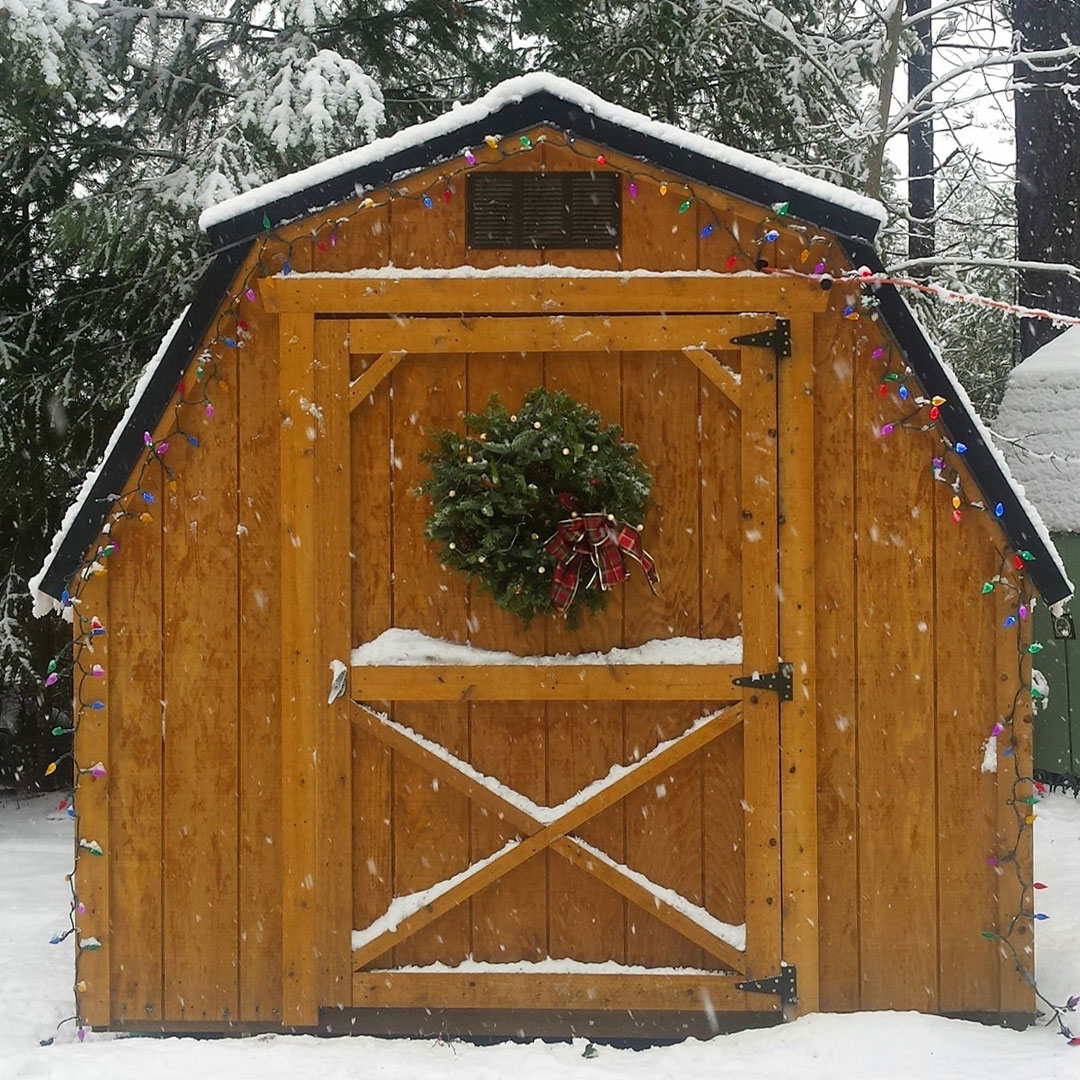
x,y
35,994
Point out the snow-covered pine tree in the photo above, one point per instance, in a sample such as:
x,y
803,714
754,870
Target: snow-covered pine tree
x,y
117,124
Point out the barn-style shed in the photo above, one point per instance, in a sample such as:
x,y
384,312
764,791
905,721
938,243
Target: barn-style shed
x,y
1039,424
779,797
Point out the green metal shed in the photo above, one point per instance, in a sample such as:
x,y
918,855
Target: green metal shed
x,y
1039,432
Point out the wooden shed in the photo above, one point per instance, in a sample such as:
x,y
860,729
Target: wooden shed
x,y
1039,425
795,815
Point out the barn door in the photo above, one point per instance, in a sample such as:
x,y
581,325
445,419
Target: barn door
x,y
611,832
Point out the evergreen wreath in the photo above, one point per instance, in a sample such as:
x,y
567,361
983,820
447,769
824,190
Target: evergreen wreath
x,y
500,491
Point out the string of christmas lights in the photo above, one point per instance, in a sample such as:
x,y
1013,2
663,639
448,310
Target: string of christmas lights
x,y
925,415
276,253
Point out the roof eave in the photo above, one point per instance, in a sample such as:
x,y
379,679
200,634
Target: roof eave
x,y
1022,531
545,107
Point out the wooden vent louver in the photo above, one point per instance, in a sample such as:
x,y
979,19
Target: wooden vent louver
x,y
543,210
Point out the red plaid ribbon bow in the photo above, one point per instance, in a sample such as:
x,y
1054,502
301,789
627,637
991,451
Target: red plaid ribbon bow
x,y
597,541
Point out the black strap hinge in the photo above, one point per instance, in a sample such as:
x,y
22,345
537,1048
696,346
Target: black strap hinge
x,y
779,682
785,984
778,339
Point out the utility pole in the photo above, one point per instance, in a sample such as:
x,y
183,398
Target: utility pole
x,y
1047,162
920,137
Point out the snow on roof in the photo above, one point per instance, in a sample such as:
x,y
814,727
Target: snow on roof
x,y
1038,429
510,92
43,603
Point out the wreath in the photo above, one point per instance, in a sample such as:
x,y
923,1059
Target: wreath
x,y
543,506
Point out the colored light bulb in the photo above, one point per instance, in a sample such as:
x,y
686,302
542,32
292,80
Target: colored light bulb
x,y
772,236
492,141
1034,648
663,189
1010,620
999,510
470,157
97,671
428,204
887,429
781,208
52,680
732,262
148,496
632,189
601,160
937,399
820,268
286,268
961,448
706,232
526,142
988,587
684,206
904,393
878,353
935,412
957,515
209,411
1022,611
231,342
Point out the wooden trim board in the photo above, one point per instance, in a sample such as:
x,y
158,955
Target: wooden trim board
x,y
344,294
527,682
478,990
550,333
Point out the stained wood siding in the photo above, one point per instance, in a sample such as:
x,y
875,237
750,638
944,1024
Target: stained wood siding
x,y
912,670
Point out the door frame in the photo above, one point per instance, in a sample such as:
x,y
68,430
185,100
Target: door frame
x,y
780,770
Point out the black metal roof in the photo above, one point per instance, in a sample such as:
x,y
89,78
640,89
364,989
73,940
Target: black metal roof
x,y
232,238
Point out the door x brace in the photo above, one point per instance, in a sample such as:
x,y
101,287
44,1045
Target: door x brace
x,y
543,827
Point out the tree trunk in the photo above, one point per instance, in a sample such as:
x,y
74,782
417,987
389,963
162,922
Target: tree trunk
x,y
1047,163
893,33
921,140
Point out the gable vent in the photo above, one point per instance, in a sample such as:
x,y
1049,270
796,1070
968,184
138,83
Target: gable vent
x,y
542,210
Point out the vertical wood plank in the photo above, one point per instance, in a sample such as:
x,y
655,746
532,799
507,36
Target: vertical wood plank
x,y
199,553
258,427
92,744
134,676
721,616
1016,995
371,615
664,822
334,615
965,557
895,675
431,827
301,681
760,652
586,920
506,739
798,718
836,574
